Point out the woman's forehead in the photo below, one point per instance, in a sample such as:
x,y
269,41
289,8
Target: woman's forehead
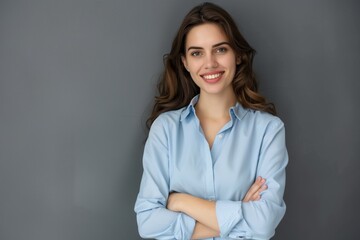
x,y
206,34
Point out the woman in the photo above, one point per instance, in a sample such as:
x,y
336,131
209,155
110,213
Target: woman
x,y
214,161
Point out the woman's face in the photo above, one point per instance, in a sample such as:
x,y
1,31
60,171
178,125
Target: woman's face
x,y
209,59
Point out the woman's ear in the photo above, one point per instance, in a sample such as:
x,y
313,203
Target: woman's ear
x,y
183,59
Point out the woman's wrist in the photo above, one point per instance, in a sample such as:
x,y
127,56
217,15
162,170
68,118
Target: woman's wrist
x,y
175,202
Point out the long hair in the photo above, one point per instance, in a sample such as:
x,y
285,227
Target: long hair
x,y
176,88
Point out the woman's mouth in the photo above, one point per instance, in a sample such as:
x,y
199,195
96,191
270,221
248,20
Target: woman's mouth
x,y
212,77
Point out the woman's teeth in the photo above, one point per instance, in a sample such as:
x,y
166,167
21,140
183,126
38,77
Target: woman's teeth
x,y
212,76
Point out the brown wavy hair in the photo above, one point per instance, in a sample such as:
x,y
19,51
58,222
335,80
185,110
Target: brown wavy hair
x,y
176,87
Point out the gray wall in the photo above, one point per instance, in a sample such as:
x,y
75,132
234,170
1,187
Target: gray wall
x,y
76,82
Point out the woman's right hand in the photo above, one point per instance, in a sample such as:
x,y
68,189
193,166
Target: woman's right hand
x,y
253,194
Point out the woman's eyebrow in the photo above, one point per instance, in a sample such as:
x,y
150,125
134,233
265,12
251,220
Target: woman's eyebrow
x,y
221,43
214,46
194,47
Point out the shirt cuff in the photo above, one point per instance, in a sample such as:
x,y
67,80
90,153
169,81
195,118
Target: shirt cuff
x,y
228,213
185,228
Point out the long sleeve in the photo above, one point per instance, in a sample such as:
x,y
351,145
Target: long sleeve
x,y
154,220
258,219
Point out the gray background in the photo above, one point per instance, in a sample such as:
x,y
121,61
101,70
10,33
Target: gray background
x,y
77,80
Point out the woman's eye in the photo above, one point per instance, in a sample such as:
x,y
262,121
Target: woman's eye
x,y
195,53
221,50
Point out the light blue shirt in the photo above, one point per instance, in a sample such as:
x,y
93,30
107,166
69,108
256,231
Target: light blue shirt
x,y
177,158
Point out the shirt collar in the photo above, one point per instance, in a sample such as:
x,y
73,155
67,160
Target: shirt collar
x,y
238,110
190,108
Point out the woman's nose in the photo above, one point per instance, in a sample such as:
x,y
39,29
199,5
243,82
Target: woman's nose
x,y
210,61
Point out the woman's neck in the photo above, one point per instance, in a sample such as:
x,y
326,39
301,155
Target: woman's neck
x,y
215,106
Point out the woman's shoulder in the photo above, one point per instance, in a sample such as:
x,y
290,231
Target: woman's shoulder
x,y
171,117
265,118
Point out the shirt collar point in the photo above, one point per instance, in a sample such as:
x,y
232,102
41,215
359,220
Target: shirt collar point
x,y
190,108
239,111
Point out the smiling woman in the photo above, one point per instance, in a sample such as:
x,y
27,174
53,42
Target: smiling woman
x,y
214,161
210,60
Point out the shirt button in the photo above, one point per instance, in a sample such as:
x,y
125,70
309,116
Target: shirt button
x,y
220,136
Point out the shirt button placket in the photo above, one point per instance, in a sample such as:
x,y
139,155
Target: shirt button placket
x,y
209,175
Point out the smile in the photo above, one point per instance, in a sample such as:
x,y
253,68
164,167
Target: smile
x,y
214,77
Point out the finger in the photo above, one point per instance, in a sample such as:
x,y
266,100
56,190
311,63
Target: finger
x,y
253,189
254,192
263,188
257,185
257,195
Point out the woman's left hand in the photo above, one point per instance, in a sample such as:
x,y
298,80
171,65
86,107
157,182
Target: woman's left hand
x,y
253,194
